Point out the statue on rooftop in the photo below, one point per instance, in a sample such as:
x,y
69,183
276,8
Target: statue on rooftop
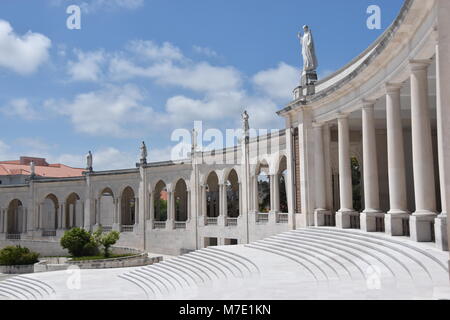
x,y
245,122
89,161
310,63
32,169
143,153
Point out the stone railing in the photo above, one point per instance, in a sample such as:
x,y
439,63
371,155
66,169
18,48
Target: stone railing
x,y
262,218
180,225
127,228
231,222
211,221
13,236
282,218
107,228
49,233
159,224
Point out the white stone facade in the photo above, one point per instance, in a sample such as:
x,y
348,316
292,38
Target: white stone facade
x,y
389,109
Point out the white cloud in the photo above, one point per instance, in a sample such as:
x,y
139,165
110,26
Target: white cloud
x,y
111,111
103,159
20,108
154,52
205,51
22,54
200,77
87,67
279,82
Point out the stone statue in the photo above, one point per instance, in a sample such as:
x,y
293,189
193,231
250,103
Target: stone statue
x,y
308,50
246,126
32,169
194,137
89,161
143,153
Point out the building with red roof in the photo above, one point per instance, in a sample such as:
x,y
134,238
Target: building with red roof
x,y
17,171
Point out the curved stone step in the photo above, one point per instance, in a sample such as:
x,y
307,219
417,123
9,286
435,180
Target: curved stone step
x,y
31,290
186,267
400,257
177,284
322,257
232,254
179,271
217,261
384,240
14,292
152,281
307,257
295,260
198,257
168,285
227,260
347,264
358,248
201,263
139,284
187,279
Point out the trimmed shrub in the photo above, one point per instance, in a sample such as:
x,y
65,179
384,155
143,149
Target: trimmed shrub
x,y
106,240
17,256
76,240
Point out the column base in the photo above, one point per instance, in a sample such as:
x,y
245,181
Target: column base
x,y
421,227
322,218
440,231
347,220
372,221
397,224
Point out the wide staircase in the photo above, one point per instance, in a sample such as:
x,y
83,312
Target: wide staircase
x,y
312,263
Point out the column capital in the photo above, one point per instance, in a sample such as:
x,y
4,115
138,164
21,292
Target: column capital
x,y
318,125
368,103
342,115
392,87
419,65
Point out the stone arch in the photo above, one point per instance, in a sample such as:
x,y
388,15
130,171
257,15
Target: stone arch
x,y
160,202
233,194
181,201
16,217
212,195
263,187
282,186
73,211
106,207
128,205
50,209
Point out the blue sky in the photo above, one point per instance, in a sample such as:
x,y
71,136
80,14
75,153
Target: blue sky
x,y
138,69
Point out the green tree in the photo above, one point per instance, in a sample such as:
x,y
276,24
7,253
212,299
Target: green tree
x,y
106,240
75,241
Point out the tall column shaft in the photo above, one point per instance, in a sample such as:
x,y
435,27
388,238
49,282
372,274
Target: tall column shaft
x,y
328,171
319,165
423,165
396,153
370,163
345,173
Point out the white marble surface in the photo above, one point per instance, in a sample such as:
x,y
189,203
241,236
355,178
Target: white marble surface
x,y
307,264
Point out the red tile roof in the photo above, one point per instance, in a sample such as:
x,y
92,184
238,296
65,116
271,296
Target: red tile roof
x,y
42,168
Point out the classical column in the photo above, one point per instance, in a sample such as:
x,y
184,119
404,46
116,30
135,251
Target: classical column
x,y
423,166
328,172
370,170
343,217
440,224
320,181
396,163
275,199
5,220
152,206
